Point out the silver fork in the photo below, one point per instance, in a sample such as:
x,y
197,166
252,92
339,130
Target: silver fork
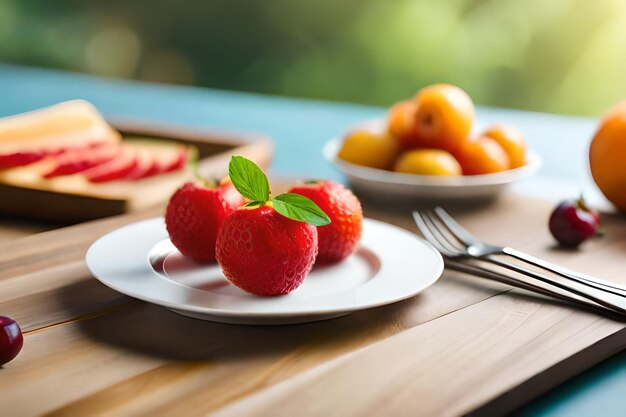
x,y
437,232
478,249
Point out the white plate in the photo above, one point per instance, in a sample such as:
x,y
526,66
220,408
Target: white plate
x,y
139,260
378,183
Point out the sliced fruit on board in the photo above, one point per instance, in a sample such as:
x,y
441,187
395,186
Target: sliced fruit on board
x,y
140,159
76,161
17,159
166,156
116,169
177,163
69,125
145,161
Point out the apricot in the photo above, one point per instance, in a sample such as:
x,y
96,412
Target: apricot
x,y
511,140
375,150
483,155
443,117
607,156
428,162
401,123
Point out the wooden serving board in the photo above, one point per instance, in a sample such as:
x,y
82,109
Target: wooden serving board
x,y
215,147
465,345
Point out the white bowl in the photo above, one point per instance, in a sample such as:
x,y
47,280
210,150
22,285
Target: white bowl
x,y
379,184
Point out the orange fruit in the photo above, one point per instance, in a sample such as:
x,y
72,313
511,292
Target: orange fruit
x,y
375,150
607,156
511,140
483,155
427,162
401,123
444,116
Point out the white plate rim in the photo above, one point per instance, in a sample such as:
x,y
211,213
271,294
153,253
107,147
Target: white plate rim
x,y
158,223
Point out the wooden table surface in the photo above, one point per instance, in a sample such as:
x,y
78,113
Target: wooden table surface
x,y
464,345
88,347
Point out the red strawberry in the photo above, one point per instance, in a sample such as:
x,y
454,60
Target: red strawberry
x,y
340,238
264,252
269,246
195,214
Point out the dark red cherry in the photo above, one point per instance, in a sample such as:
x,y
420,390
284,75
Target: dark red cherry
x,y
11,340
572,222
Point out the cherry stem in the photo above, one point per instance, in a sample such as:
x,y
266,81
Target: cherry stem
x,y
582,204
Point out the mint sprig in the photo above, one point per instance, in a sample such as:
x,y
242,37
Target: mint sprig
x,y
298,207
248,179
252,183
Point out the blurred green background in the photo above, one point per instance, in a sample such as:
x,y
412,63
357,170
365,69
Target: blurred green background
x,y
562,56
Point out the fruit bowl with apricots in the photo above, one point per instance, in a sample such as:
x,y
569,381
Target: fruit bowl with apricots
x,y
429,148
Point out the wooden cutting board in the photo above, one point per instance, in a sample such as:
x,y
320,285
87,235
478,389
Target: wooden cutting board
x,y
465,345
48,201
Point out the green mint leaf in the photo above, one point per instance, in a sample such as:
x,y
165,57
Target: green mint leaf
x,y
248,179
253,204
300,208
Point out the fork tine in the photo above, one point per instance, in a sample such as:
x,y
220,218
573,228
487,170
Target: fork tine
x,y
441,233
458,231
432,233
428,234
458,247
